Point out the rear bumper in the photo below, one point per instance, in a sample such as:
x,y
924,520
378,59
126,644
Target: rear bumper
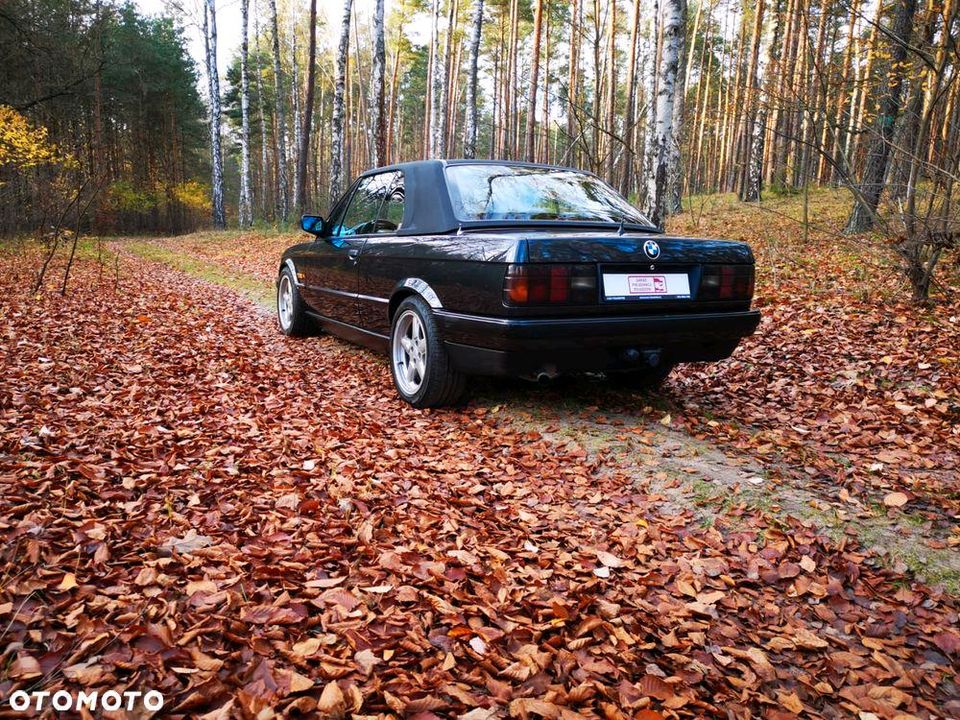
x,y
504,346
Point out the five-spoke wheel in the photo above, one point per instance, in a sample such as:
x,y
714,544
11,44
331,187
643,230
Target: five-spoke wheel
x,y
410,352
421,369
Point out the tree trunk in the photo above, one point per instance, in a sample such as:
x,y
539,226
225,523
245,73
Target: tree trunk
x,y
449,63
747,140
304,146
666,96
436,87
650,134
379,88
510,84
245,209
839,141
529,147
611,94
470,121
674,171
283,200
629,131
294,157
573,78
213,85
871,183
337,121
261,108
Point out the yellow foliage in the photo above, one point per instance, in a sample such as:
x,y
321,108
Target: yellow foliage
x,y
193,195
22,144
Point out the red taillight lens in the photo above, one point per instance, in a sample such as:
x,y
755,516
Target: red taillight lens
x,y
726,282
550,285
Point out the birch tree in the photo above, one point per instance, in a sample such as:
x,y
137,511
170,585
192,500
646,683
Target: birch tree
x,y
674,173
297,144
337,120
280,136
470,121
379,88
437,83
245,208
213,86
303,149
663,115
261,107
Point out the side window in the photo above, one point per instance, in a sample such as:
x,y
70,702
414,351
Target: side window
x,y
363,213
391,213
336,213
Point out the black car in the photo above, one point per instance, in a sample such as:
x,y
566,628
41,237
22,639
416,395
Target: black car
x,y
465,267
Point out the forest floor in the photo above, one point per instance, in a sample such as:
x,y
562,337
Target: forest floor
x,y
251,524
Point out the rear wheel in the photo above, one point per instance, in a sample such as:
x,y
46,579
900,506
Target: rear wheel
x,y
421,368
649,378
291,311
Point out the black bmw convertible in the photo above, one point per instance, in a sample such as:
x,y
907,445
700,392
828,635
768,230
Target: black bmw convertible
x,y
465,267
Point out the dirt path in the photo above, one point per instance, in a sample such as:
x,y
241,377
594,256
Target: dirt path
x,y
194,503
688,472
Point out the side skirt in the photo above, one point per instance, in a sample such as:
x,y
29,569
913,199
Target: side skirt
x,y
351,333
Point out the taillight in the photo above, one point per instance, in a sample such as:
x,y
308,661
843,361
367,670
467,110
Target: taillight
x,y
726,282
550,285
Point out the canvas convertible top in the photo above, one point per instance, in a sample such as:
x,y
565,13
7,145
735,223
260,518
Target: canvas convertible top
x,y
427,207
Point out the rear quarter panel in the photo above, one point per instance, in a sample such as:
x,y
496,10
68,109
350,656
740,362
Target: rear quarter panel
x,y
465,271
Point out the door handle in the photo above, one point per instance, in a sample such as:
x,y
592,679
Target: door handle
x,y
353,254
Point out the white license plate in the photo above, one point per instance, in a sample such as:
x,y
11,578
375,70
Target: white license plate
x,y
642,286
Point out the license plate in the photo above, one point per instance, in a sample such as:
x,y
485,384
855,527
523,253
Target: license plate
x,y
646,286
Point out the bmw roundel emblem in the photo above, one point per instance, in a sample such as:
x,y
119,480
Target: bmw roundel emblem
x,y
652,249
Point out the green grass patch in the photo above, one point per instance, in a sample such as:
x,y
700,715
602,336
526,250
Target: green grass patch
x,y
246,285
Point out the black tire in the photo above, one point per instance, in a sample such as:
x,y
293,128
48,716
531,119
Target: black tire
x,y
440,383
297,323
650,378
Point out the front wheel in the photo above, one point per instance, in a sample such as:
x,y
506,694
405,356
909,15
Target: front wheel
x,y
421,368
291,311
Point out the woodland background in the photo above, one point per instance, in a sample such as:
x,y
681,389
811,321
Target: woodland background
x,y
109,126
258,527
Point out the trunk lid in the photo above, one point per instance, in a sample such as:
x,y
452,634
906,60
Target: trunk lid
x,y
612,248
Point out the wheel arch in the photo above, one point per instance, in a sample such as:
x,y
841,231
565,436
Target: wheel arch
x,y
288,263
408,288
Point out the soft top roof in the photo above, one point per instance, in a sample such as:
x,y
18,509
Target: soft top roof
x,y
427,209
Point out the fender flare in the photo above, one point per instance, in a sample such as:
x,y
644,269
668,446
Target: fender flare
x,y
288,262
415,286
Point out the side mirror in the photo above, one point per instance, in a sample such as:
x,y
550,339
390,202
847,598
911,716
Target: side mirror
x,y
313,224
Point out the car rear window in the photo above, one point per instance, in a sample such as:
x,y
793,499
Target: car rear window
x,y
517,192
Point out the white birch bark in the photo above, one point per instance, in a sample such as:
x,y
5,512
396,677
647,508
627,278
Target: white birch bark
x,y
297,145
674,169
246,204
283,193
437,91
663,117
261,108
377,101
470,122
650,91
339,86
213,86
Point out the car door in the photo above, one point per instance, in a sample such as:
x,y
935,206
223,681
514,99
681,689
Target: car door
x,y
377,273
332,280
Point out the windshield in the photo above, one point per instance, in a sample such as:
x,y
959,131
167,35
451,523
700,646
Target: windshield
x,y
514,192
